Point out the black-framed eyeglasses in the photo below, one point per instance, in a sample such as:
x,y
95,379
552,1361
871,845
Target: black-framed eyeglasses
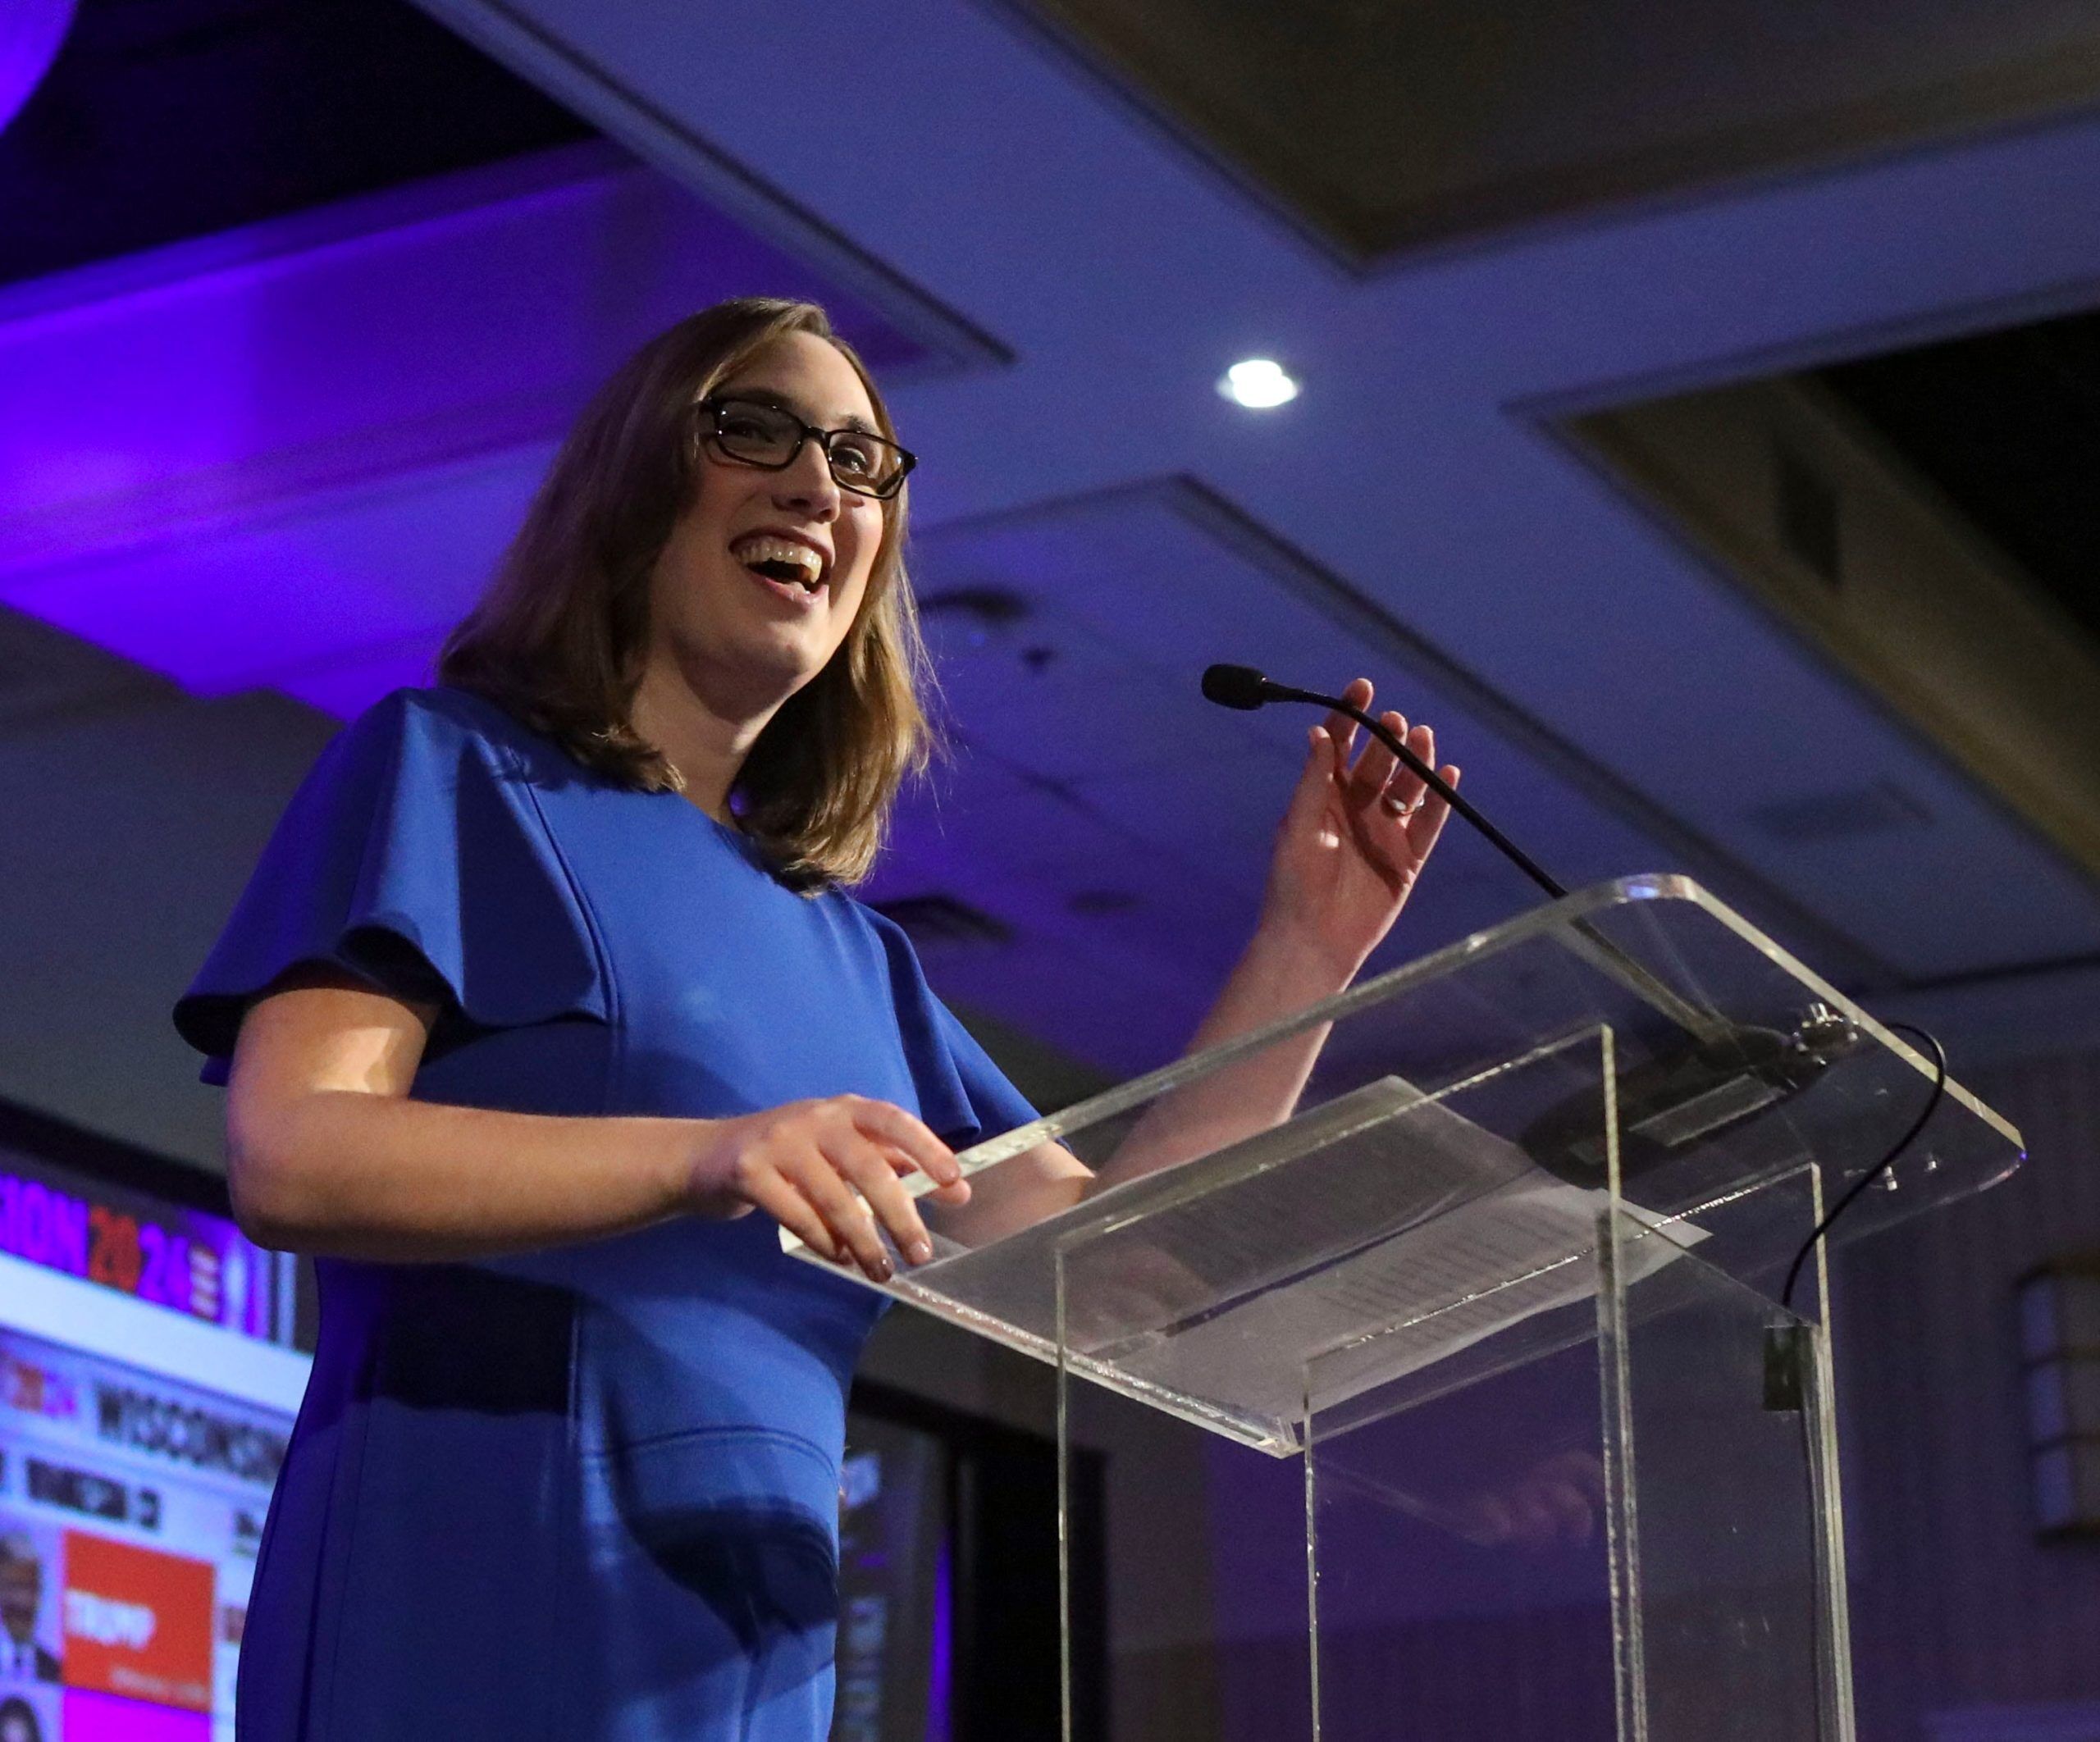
x,y
754,433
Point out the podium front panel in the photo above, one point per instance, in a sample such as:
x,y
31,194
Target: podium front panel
x,y
1624,1539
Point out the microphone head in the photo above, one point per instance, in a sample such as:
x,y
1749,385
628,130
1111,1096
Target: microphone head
x,y
1235,687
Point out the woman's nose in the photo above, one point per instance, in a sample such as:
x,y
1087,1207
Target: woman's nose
x,y
806,483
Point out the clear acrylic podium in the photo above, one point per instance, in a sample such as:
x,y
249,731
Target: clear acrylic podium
x,y
1507,1283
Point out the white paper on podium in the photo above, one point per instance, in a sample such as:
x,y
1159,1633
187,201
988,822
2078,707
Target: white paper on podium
x,y
1486,1241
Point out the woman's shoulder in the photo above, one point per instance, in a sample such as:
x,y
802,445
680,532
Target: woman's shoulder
x,y
442,719
891,950
855,910
438,709
414,802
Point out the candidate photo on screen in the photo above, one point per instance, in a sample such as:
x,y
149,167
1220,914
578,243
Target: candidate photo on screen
x,y
29,1580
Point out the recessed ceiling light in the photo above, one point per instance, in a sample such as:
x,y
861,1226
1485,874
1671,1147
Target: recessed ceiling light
x,y
1257,383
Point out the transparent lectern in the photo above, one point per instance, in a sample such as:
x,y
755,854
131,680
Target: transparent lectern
x,y
1507,1281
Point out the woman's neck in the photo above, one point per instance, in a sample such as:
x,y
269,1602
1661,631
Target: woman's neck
x,y
706,746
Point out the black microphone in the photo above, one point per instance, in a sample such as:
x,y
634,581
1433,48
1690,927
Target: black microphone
x,y
1239,686
1243,687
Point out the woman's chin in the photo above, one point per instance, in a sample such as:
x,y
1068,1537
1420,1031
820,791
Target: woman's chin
x,y
761,666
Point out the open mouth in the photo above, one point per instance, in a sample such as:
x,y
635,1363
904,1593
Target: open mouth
x,y
786,562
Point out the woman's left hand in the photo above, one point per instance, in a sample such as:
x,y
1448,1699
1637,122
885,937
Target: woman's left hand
x,y
1353,840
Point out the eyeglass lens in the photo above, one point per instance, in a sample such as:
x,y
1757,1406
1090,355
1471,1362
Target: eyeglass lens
x,y
765,436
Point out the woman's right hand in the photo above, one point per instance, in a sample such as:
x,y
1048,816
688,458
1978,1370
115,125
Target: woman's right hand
x,y
830,1172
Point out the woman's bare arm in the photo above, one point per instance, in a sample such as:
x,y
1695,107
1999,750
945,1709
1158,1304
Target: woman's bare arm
x,y
1271,980
1353,840
327,1154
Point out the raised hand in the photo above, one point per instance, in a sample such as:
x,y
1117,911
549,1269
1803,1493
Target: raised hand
x,y
1353,839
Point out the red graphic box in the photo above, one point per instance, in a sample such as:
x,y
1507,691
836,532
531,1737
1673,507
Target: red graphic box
x,y
137,1622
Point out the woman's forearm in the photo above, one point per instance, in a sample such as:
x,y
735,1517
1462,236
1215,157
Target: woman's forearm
x,y
1274,979
340,1173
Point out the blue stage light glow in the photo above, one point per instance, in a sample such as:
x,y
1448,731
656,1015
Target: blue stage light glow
x,y
30,32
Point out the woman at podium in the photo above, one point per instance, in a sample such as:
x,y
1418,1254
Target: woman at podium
x,y
549,1004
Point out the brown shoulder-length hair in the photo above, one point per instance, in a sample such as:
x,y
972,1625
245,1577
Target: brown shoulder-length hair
x,y
559,638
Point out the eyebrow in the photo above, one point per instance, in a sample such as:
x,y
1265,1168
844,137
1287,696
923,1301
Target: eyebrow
x,y
787,402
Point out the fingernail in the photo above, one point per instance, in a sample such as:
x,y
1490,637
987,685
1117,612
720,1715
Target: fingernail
x,y
922,1251
884,1269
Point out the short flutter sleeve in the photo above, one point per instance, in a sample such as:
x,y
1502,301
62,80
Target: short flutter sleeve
x,y
412,858
963,1095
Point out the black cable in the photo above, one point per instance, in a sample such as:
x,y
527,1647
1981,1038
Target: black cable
x,y
1880,1167
1789,1358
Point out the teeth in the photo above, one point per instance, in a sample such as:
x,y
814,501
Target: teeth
x,y
761,550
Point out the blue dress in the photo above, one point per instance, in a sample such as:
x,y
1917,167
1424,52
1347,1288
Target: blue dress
x,y
589,1494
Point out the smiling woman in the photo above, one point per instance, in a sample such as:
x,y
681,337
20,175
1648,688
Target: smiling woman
x,y
619,583
548,1008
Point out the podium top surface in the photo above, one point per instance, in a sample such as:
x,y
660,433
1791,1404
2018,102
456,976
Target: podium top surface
x,y
1635,1063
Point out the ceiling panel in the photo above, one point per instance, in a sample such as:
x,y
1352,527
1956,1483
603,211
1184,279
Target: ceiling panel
x,y
1098,803
1382,126
164,119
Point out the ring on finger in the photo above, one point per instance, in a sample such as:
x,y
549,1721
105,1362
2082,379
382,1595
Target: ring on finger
x,y
1396,806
